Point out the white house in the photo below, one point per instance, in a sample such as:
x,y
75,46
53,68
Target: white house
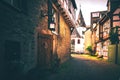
x,y
81,31
77,36
77,40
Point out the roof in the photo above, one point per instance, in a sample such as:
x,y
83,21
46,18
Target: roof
x,y
81,18
75,34
99,18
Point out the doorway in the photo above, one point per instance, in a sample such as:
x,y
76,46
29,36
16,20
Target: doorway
x,y
45,50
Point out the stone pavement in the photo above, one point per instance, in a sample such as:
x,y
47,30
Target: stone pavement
x,y
84,67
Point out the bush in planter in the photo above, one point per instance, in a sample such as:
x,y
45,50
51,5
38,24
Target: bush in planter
x,y
89,48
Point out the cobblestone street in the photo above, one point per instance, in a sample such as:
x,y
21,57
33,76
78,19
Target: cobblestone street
x,y
84,67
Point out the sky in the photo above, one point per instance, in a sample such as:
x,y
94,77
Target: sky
x,y
88,6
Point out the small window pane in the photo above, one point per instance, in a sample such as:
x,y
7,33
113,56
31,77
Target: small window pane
x,y
78,41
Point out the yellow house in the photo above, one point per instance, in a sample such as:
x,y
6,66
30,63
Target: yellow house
x,y
88,40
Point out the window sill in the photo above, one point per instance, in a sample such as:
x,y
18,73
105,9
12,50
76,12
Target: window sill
x,y
54,32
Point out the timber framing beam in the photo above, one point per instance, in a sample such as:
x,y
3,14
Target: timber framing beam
x,y
65,13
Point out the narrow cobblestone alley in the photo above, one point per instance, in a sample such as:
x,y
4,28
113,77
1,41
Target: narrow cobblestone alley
x,y
83,67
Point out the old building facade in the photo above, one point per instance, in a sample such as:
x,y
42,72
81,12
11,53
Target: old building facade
x,y
101,29
34,33
77,36
76,41
81,27
95,18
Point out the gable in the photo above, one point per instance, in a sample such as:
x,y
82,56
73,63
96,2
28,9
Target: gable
x,y
75,34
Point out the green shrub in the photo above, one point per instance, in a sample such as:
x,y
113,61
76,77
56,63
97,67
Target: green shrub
x,y
89,48
114,35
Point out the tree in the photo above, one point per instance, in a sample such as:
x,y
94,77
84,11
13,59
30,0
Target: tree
x,y
114,35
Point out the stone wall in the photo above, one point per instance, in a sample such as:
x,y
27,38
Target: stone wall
x,y
63,41
22,29
17,26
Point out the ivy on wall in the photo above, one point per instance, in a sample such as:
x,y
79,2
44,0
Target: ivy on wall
x,y
114,35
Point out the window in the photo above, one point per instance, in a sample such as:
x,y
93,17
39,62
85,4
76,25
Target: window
x,y
55,19
78,41
73,42
95,14
101,31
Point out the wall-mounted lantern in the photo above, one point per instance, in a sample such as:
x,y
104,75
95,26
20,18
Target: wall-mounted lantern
x,y
50,14
52,26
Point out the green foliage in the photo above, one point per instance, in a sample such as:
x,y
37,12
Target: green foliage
x,y
89,48
114,35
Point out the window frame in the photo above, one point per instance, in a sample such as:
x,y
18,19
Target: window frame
x,y
78,41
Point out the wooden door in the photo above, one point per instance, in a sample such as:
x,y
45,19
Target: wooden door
x,y
45,51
